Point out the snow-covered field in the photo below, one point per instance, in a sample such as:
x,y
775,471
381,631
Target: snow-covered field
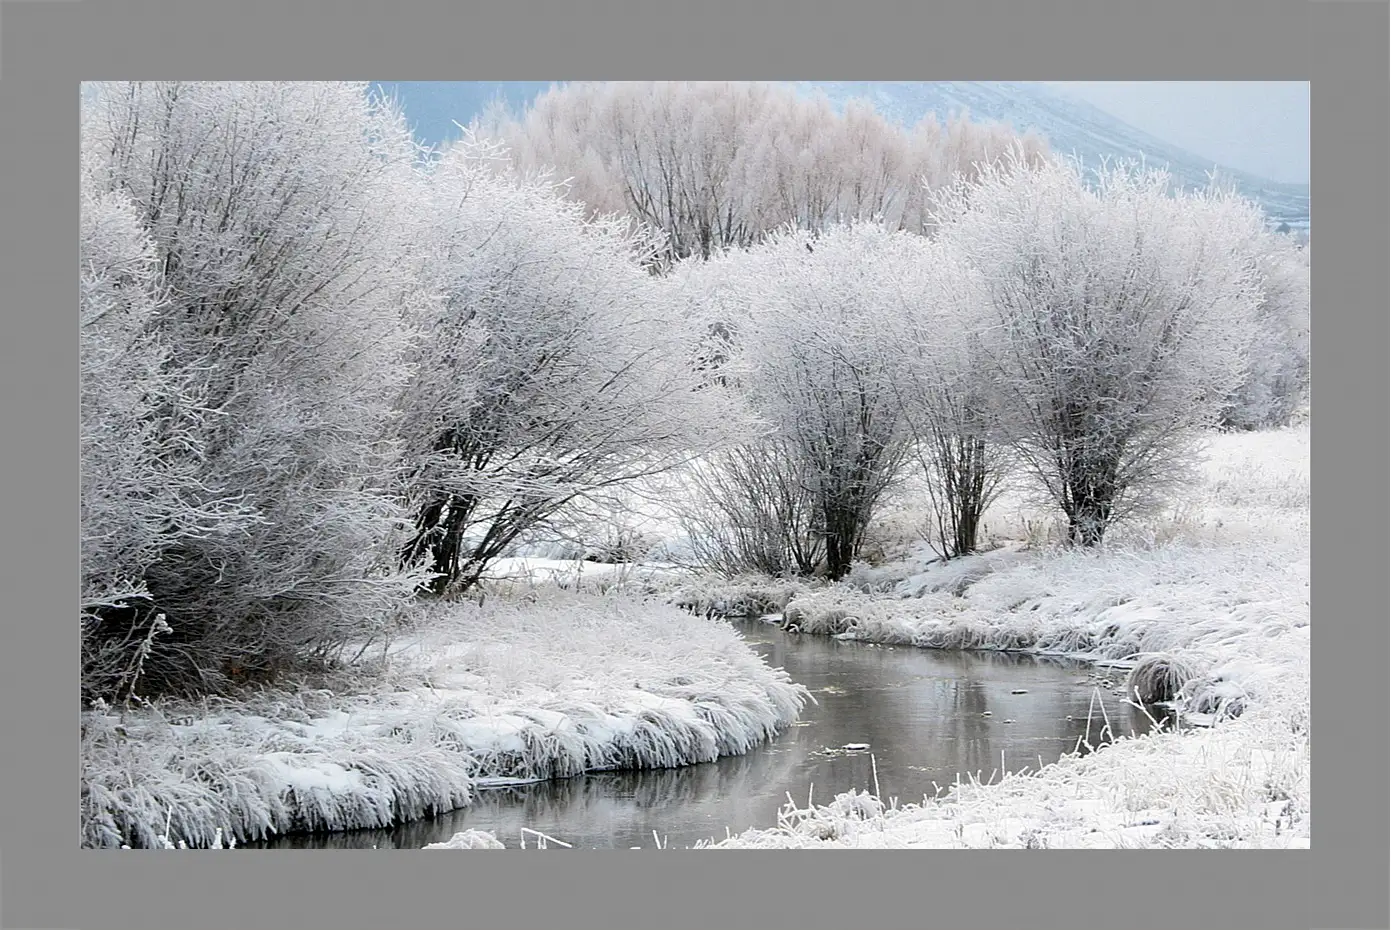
x,y
538,686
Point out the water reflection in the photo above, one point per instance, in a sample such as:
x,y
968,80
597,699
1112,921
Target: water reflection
x,y
928,718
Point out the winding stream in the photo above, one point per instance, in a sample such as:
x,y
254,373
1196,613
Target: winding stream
x,y
927,716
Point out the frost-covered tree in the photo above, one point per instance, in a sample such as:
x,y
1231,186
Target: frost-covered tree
x,y
1277,380
141,424
722,164
277,235
552,366
1121,319
808,358
125,498
749,506
945,390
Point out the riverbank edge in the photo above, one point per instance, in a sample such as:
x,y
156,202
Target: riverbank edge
x,y
546,687
1252,704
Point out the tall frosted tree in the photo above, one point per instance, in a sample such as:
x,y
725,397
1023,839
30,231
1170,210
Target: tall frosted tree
x,y
808,358
552,367
141,427
1120,320
277,234
749,506
946,391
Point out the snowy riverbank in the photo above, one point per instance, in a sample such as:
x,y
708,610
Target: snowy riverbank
x,y
551,686
1220,601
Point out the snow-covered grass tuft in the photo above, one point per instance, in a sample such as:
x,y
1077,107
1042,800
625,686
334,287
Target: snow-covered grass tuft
x,y
1155,679
739,598
559,685
251,778
470,839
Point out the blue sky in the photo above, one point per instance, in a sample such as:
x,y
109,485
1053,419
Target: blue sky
x,y
1257,126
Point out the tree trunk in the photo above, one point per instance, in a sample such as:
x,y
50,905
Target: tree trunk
x,y
446,548
425,528
970,491
841,532
1092,494
439,532
1086,522
967,526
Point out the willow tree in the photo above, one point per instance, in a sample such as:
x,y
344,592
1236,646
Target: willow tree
x,y
551,369
808,360
947,393
1119,322
722,164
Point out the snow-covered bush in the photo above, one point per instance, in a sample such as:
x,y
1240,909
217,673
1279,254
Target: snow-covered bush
x,y
753,509
277,238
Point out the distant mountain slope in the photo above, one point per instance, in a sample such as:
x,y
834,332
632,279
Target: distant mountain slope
x,y
1071,126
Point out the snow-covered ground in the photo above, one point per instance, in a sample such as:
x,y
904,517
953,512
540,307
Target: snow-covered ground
x,y
543,685
507,576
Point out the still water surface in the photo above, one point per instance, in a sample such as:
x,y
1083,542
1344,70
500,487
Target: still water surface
x,y
927,716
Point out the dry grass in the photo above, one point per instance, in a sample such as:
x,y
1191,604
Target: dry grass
x,y
1155,679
